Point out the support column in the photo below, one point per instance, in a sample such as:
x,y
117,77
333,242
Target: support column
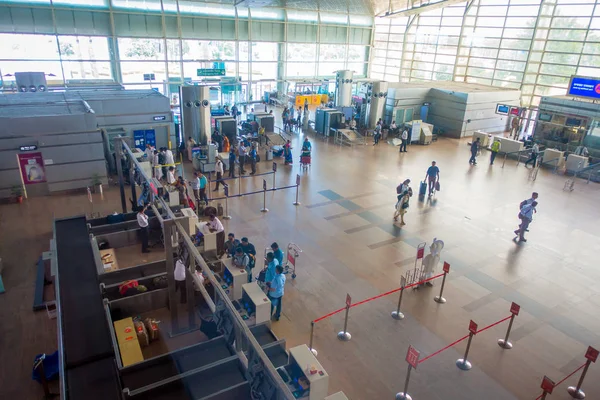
x,y
118,143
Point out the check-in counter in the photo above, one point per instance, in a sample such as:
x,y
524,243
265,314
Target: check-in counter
x,y
483,138
553,157
233,279
255,305
576,163
509,146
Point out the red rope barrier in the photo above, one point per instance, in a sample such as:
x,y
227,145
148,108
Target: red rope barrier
x,y
494,324
463,338
376,297
564,379
445,348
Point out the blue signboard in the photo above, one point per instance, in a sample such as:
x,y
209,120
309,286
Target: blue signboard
x,y
143,137
584,87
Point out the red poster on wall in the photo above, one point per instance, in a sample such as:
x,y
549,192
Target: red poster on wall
x,y
32,168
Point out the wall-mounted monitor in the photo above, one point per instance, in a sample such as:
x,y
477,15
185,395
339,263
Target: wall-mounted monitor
x,y
573,122
545,117
515,111
582,86
502,109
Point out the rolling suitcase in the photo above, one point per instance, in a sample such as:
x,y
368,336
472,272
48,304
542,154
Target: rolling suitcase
x,y
422,188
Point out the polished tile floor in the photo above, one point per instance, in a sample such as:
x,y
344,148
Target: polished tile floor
x,y
351,245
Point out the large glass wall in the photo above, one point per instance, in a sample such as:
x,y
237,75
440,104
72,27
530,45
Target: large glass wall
x,y
126,40
531,45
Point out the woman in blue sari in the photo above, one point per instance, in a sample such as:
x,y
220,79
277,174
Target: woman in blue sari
x,y
287,153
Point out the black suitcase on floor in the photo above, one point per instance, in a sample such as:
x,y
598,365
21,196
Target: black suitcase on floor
x,y
422,188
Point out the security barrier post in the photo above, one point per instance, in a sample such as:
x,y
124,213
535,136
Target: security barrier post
x,y
344,335
226,216
412,358
297,203
547,387
264,209
397,314
274,173
440,299
575,391
310,343
514,310
463,363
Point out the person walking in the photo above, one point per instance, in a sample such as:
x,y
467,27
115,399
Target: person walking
x,y
495,148
142,220
191,143
195,185
432,176
252,157
234,112
474,150
276,291
526,217
203,184
404,139
404,193
232,162
219,171
376,134
169,159
535,150
242,157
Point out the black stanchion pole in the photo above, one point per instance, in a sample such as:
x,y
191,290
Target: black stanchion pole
x,y
274,173
297,203
226,216
575,391
264,209
547,387
412,358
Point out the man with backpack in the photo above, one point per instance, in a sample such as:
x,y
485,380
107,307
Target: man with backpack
x,y
526,210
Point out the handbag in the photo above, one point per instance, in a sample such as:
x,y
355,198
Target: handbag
x,y
437,186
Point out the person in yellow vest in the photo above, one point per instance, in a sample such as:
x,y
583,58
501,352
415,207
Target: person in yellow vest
x,y
495,148
261,134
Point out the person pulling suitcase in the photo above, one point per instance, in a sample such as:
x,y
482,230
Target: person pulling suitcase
x,y
432,176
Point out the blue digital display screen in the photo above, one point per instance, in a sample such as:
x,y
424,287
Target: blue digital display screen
x,y
584,87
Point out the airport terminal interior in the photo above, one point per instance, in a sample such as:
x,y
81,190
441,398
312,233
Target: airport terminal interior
x,y
299,199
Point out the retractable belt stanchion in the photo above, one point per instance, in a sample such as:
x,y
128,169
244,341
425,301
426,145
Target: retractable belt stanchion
x,y
344,335
274,173
297,203
514,310
397,314
264,209
412,358
463,363
226,216
310,343
440,299
575,391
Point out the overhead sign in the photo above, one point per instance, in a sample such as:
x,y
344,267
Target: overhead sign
x,y
159,118
412,357
28,148
581,86
502,109
210,72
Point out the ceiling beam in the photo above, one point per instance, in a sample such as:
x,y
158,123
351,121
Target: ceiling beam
x,y
418,9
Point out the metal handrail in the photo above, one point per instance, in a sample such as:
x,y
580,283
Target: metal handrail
x,y
589,169
284,391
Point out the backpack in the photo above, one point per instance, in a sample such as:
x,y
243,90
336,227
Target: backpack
x,y
522,204
161,158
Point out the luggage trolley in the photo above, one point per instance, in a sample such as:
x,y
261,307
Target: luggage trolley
x,y
305,160
293,252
